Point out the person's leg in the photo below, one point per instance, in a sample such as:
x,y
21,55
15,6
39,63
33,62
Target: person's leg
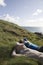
x,y
41,49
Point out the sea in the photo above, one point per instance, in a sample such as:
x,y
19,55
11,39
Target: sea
x,y
34,29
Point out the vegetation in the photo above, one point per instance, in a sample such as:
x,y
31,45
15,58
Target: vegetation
x,y
11,33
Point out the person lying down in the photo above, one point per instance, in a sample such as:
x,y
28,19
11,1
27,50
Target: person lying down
x,y
33,46
21,50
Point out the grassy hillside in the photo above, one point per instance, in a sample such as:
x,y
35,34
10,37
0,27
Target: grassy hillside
x,y
9,34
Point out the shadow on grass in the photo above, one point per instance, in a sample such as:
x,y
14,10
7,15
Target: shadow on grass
x,y
16,64
4,52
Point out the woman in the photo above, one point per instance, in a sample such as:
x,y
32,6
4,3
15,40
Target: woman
x,y
19,49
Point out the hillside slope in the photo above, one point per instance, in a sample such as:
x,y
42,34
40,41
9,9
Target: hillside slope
x,y
9,34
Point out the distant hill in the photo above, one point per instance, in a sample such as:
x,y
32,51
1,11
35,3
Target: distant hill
x,y
11,33
39,34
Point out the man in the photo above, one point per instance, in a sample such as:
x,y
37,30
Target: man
x,y
30,45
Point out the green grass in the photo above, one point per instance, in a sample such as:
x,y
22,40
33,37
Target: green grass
x,y
5,58
9,34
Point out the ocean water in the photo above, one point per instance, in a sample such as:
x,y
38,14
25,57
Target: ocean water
x,y
34,29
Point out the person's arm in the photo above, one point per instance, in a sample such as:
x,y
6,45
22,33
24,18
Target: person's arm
x,y
15,54
19,44
19,55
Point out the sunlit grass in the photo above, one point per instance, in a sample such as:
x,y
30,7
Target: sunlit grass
x,y
9,39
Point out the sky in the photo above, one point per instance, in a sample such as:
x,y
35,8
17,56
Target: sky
x,y
22,12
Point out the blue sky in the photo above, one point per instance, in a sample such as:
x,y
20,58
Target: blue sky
x,y
22,12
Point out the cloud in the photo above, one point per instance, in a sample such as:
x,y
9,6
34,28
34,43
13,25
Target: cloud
x,y
37,12
34,22
23,22
10,18
2,3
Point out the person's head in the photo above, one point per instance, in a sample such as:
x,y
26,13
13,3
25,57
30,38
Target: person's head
x,y
25,39
21,41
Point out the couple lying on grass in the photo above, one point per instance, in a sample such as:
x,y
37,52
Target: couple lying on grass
x,y
24,46
28,49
